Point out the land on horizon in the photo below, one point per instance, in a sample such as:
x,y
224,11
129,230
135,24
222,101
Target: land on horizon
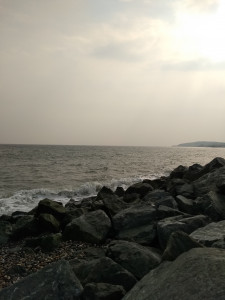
x,y
203,144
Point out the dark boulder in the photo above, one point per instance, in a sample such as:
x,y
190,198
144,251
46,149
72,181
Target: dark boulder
x,y
185,204
103,291
25,226
185,278
119,191
143,235
139,188
179,242
137,259
134,216
56,281
179,223
103,270
210,233
92,227
48,223
54,208
104,193
160,197
178,172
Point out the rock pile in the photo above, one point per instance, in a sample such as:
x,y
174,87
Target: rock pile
x,y
159,239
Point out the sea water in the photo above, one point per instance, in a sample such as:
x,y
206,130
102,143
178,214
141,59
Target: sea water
x,y
30,173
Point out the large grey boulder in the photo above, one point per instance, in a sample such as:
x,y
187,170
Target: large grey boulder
x,y
92,227
48,223
56,281
160,197
134,216
103,270
185,204
179,242
197,274
209,234
140,188
54,208
137,259
209,182
179,223
25,226
143,235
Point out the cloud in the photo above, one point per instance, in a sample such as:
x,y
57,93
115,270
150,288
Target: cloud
x,y
204,6
199,64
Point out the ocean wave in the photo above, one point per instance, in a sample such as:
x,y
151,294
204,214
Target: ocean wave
x,y
25,200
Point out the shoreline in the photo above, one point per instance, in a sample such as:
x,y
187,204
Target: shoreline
x,y
118,234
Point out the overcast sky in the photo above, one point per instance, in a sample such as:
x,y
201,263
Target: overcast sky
x,y
112,72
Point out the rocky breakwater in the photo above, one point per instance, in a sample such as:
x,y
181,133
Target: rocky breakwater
x,y
159,239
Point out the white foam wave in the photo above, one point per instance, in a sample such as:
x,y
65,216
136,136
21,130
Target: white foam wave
x,y
25,200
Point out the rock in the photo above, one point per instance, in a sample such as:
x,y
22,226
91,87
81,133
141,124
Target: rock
x,y
72,214
139,188
92,227
166,212
104,193
179,242
5,231
184,204
48,223
103,270
137,259
185,278
47,243
55,281
119,191
90,253
54,208
103,291
179,223
143,235
221,186
186,190
193,172
112,205
134,216
178,172
208,182
160,197
210,233
25,226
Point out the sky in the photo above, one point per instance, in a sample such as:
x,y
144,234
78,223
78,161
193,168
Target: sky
x,y
112,72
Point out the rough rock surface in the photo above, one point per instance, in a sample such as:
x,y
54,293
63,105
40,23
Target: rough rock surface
x,y
92,227
56,281
103,291
137,259
197,274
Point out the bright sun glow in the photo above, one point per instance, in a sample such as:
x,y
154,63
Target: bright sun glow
x,y
203,34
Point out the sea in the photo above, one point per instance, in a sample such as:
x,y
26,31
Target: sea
x,y
30,173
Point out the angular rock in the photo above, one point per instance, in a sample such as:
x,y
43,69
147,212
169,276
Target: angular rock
x,y
112,205
143,235
186,190
103,291
119,191
25,226
104,193
160,197
178,172
90,253
209,234
51,207
137,259
179,242
193,172
134,216
103,270
139,188
208,182
184,204
56,281
185,278
179,223
92,227
48,223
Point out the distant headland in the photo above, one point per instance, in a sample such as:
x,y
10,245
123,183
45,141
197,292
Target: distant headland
x,y
203,144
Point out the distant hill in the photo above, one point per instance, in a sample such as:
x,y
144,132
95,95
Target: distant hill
x,y
203,144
